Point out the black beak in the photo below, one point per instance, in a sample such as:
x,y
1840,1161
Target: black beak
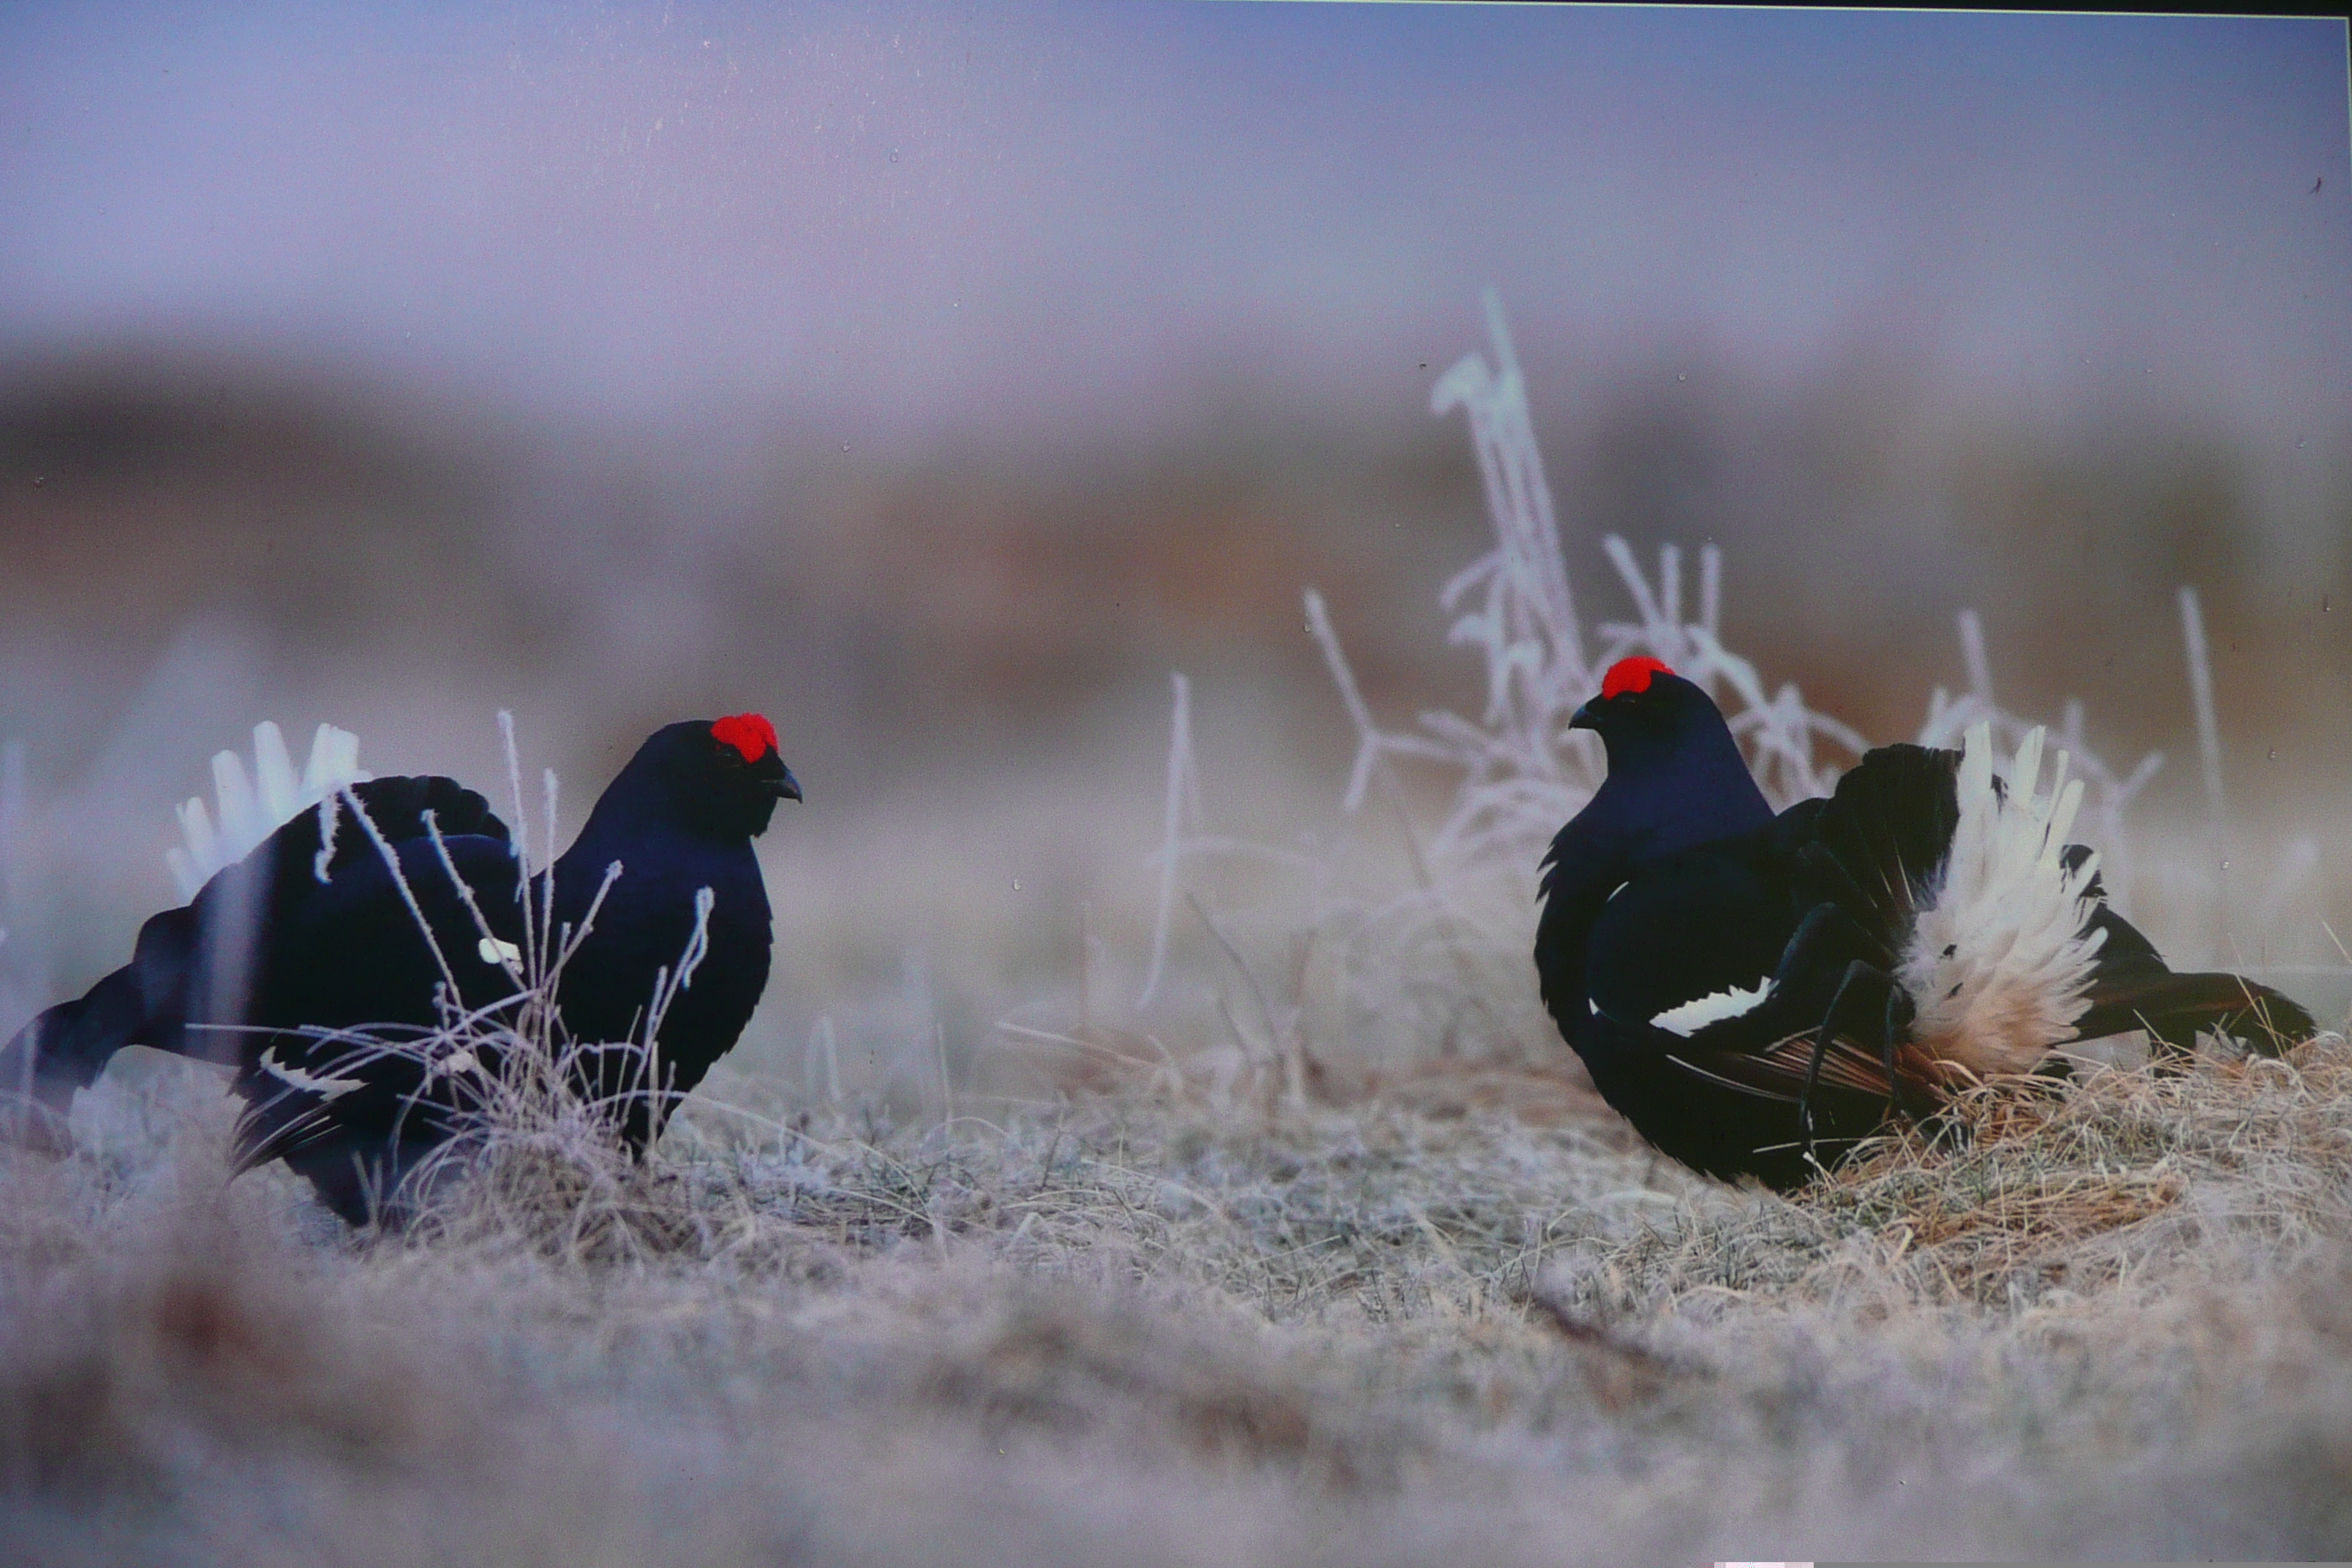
x,y
787,787
1582,718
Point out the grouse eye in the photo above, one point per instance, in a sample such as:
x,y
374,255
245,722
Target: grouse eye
x,y
751,736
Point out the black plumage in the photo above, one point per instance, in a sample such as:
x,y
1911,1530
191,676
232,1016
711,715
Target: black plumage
x,y
299,963
1677,884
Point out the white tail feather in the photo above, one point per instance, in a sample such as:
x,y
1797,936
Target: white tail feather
x,y
251,809
2000,966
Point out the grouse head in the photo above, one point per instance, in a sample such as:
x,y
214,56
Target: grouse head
x,y
1647,712
720,777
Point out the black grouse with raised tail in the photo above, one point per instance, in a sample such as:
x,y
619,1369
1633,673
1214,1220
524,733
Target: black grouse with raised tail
x,y
312,933
1755,994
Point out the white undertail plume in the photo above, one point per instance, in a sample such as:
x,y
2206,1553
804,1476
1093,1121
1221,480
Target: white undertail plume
x,y
253,807
1999,967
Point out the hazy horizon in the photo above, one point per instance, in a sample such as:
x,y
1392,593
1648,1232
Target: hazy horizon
x,y
925,227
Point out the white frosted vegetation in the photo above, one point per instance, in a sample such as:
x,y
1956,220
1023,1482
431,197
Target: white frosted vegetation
x,y
1522,771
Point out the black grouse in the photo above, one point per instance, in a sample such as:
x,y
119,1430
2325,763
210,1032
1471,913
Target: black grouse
x,y
295,965
1757,994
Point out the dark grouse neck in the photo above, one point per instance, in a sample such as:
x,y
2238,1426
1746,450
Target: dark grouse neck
x,y
1663,794
1666,794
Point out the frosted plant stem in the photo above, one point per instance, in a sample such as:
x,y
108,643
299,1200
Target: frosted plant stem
x,y
1370,759
547,883
12,827
1972,650
572,939
1257,992
2201,688
947,1084
2209,747
1180,764
832,1059
400,880
534,956
1710,587
466,894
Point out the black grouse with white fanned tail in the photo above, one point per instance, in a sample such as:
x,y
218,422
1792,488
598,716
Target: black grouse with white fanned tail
x,y
313,934
1757,993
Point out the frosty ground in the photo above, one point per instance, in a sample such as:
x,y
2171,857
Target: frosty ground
x,y
1463,1318
1283,1230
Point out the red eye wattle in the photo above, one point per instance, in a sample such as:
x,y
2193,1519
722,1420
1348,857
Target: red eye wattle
x,y
1632,674
747,733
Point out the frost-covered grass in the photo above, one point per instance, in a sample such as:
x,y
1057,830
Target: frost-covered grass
x,y
1289,1235
1138,1328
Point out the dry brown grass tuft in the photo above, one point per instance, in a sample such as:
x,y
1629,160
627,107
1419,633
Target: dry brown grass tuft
x,y
2040,1179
